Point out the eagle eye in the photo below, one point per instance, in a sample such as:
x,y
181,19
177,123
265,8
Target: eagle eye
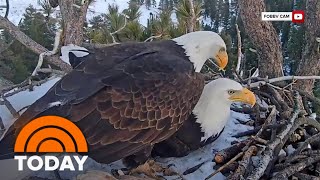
x,y
222,49
230,92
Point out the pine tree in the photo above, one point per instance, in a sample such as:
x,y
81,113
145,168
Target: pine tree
x,y
35,26
183,12
17,57
225,15
293,49
132,12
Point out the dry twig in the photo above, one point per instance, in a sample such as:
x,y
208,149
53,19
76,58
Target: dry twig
x,y
120,29
289,171
225,165
48,53
269,153
225,155
244,163
239,51
284,78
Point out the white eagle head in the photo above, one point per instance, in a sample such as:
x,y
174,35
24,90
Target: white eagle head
x,y
203,45
213,108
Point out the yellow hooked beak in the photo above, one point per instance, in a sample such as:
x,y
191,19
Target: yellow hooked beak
x,y
221,59
245,96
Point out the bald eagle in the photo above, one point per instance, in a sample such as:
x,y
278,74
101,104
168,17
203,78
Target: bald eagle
x,y
208,118
127,97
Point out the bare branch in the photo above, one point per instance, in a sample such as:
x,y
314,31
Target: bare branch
x,y
48,53
239,50
285,174
225,165
244,163
9,106
25,86
120,29
256,73
267,156
152,38
283,78
31,44
7,9
303,146
54,71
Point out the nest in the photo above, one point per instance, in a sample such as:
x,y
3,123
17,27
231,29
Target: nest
x,y
284,142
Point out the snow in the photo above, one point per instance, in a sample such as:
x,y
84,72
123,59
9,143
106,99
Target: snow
x,y
17,8
205,154
290,149
98,7
23,99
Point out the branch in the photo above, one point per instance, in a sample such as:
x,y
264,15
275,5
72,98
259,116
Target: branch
x,y
225,165
125,24
268,121
152,37
244,163
303,146
283,78
54,71
239,50
289,171
225,155
256,73
25,85
9,106
7,9
1,125
7,89
267,156
305,176
311,98
31,44
48,53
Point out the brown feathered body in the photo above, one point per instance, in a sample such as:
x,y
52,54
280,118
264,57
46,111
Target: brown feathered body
x,y
124,98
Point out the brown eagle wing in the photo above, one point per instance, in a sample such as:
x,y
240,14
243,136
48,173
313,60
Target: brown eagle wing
x,y
124,102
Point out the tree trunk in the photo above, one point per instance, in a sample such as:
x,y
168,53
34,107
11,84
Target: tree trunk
x,y
263,35
192,21
74,16
310,63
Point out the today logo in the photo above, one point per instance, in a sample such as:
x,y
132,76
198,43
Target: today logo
x,y
50,134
